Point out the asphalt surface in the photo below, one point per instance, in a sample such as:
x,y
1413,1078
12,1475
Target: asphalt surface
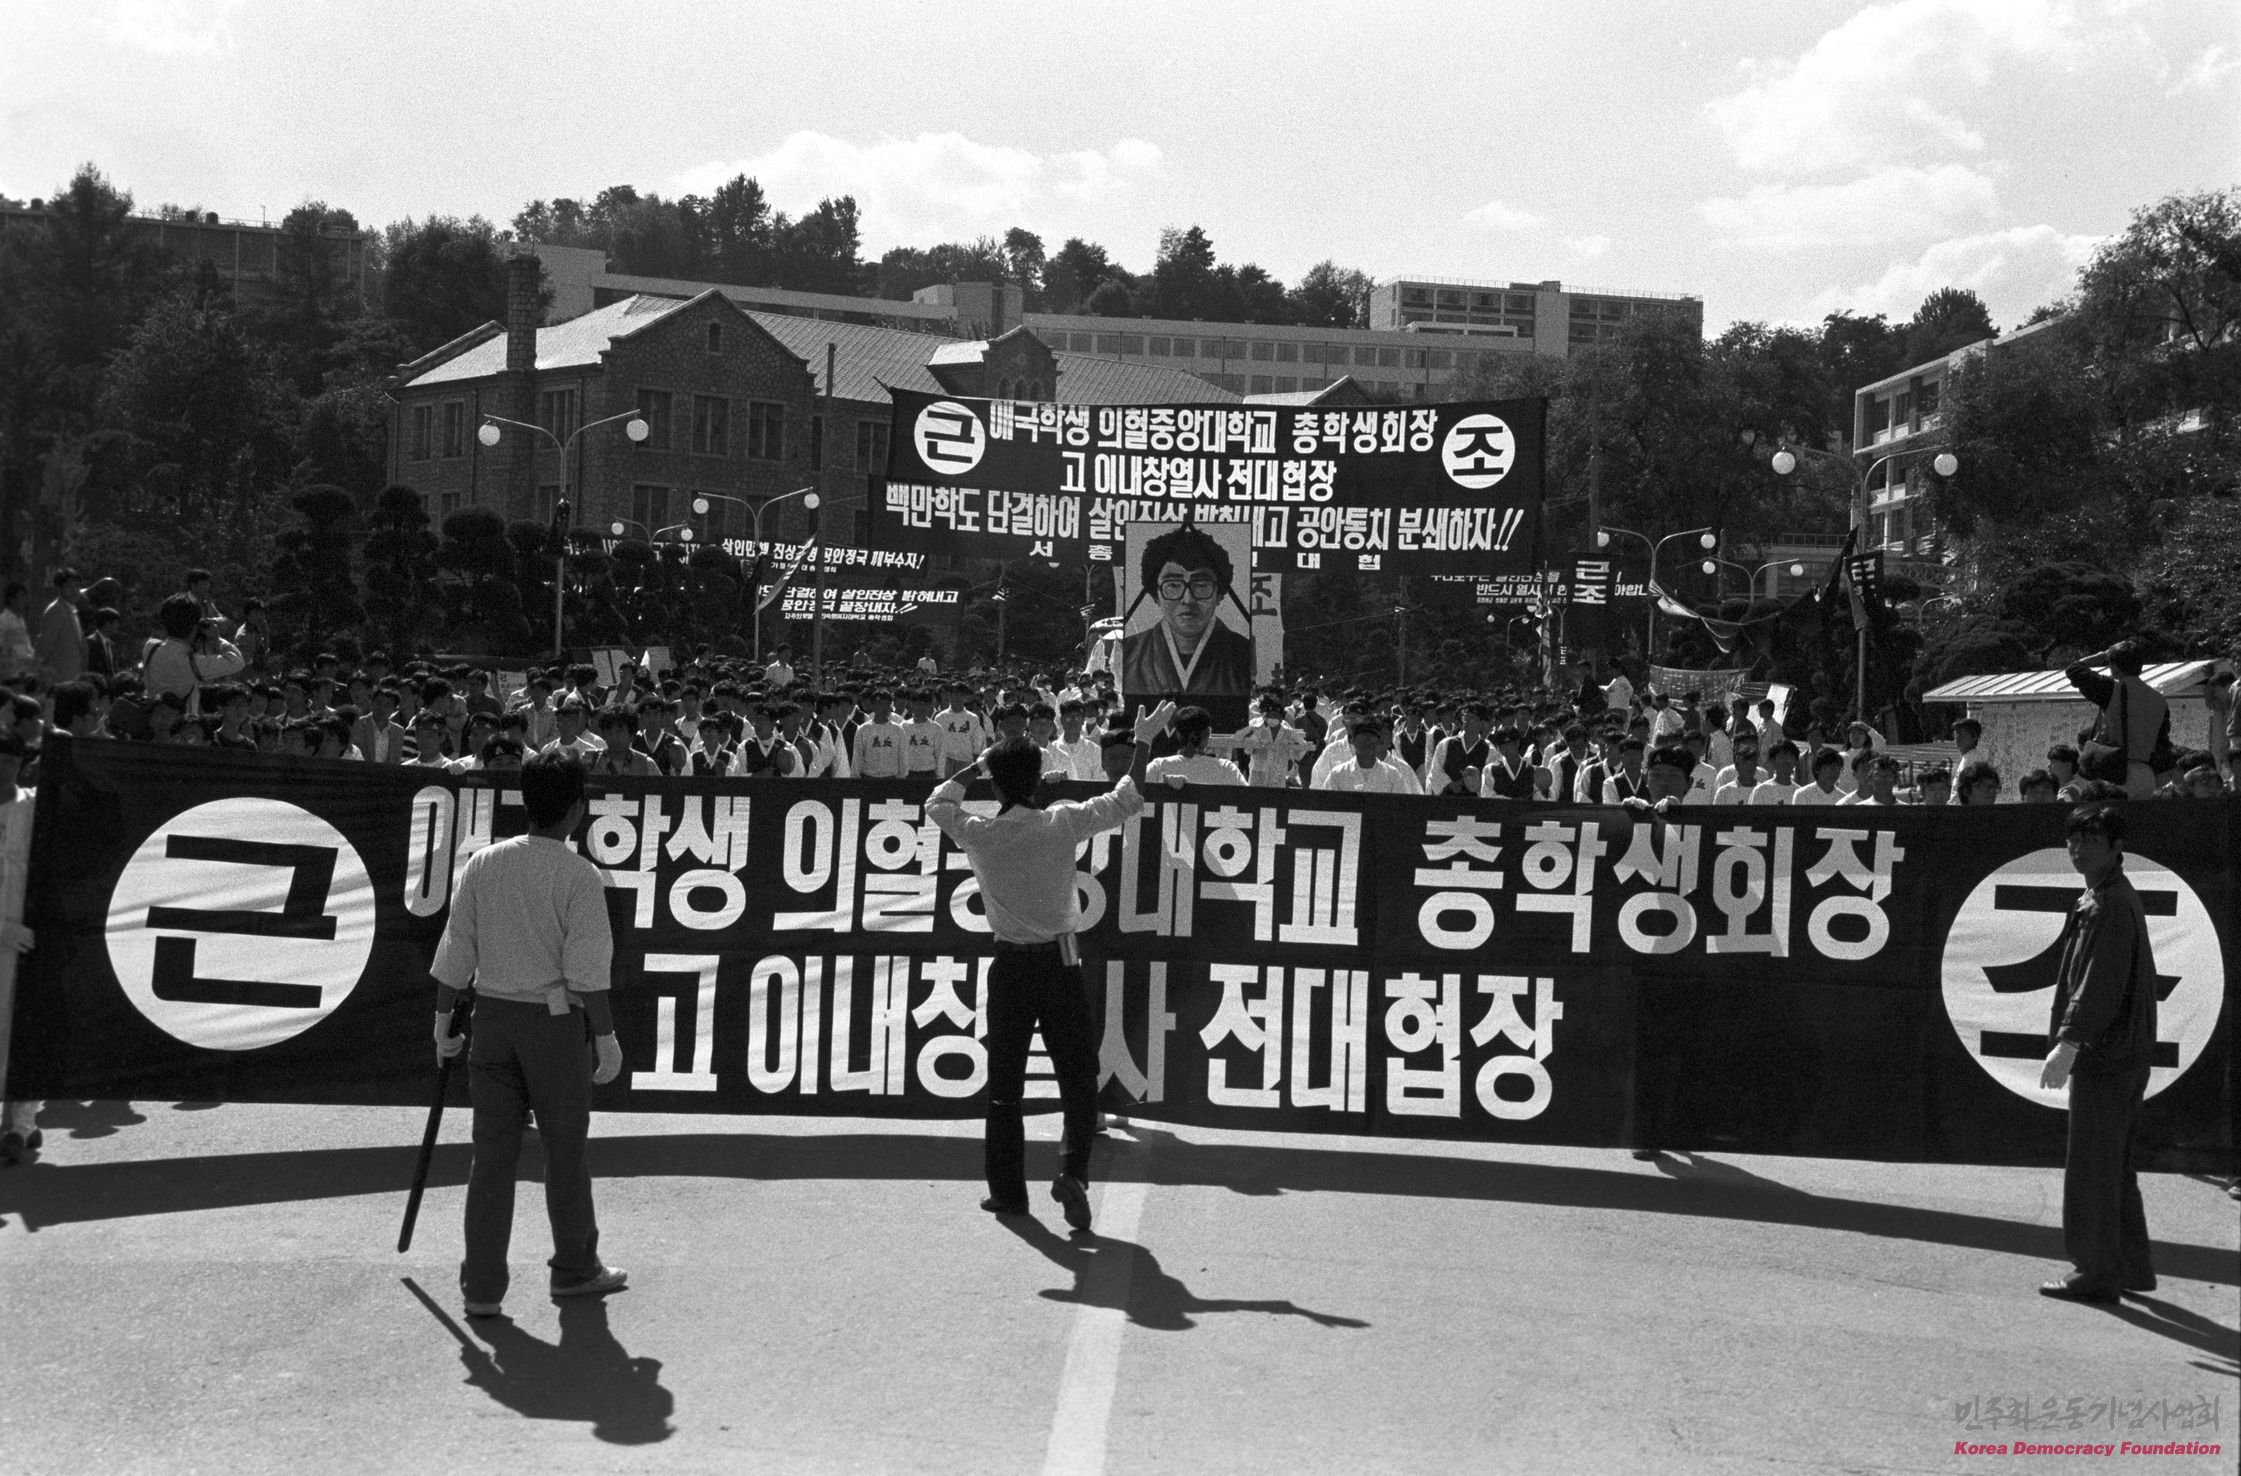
x,y
216,1289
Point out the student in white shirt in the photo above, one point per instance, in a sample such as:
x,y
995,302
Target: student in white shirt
x,y
1272,747
1371,772
1190,763
1073,754
1743,780
1881,785
922,737
1777,787
1671,770
878,749
966,734
1828,764
1626,780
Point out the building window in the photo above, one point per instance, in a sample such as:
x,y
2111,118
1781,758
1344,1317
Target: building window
x,y
1262,385
423,431
455,428
712,424
766,430
1186,348
714,525
548,499
1415,359
447,504
1108,343
653,408
871,447
1440,358
1389,358
1159,348
649,506
1263,351
1286,383
556,412
1287,353
1365,356
715,338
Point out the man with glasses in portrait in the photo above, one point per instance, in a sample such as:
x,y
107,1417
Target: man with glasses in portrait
x,y
1190,652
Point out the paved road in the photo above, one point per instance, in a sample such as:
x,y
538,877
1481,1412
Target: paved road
x,y
216,1290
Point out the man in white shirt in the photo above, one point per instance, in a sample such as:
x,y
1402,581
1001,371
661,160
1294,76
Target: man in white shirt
x,y
1627,780
1671,772
780,672
966,734
1190,763
922,737
1023,859
1272,747
1742,781
1371,772
20,1137
1620,693
1828,766
570,736
878,750
528,929
1777,787
1073,754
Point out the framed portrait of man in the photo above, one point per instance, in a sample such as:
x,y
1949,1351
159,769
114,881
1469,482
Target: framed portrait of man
x,y
1188,631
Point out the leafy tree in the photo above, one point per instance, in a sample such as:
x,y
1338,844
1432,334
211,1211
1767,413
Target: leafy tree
x,y
1075,273
1023,255
906,269
307,321
485,604
1112,299
203,420
442,277
1331,296
400,556
1949,318
315,596
2159,308
2189,581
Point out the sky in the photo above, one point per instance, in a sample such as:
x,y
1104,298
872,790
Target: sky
x,y
1779,160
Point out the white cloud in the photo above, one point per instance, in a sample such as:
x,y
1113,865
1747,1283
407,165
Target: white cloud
x,y
1590,246
2014,271
175,27
1886,84
1899,203
937,186
2204,74
1496,216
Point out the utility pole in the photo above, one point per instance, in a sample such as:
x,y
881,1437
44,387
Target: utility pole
x,y
817,528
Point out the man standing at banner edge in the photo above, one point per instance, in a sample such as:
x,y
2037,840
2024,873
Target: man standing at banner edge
x,y
528,928
2101,1041
1190,653
1023,859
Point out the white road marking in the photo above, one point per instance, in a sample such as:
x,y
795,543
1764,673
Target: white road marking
x,y
1085,1388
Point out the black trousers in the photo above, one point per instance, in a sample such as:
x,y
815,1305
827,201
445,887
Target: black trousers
x,y
2104,1225
525,1059
1026,990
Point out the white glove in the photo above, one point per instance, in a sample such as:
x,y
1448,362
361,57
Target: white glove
x,y
1150,727
447,1044
609,1051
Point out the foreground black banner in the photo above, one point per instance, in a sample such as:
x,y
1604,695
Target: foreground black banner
x,y
1421,489
1837,982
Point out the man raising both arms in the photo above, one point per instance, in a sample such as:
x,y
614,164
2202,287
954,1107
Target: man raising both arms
x,y
1023,858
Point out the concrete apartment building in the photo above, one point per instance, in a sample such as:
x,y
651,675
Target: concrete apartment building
x,y
1423,333
244,253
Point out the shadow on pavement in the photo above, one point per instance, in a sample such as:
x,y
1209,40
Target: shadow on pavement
x,y
586,1377
2181,1326
48,1193
1126,1276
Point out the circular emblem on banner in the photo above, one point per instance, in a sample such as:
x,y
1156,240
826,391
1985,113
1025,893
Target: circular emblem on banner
x,y
1478,451
241,923
2003,949
950,438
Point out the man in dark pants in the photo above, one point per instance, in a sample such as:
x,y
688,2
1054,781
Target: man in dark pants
x,y
528,928
2102,1033
1023,857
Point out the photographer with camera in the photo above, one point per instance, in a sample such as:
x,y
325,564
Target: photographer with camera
x,y
190,655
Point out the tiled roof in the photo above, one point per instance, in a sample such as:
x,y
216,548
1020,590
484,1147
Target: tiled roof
x,y
2169,677
1087,379
864,358
575,344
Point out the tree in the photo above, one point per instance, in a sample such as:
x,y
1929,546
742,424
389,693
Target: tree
x,y
1949,318
443,276
485,603
1331,296
203,422
400,554
315,596
307,321
2160,309
1075,273
1182,281
1023,256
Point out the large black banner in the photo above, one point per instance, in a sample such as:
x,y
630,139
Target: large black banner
x,y
1422,489
1869,983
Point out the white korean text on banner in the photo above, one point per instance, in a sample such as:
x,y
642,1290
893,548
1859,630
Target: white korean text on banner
x,y
1415,489
1831,982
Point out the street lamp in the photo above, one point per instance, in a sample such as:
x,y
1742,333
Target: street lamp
x,y
808,496
1706,538
1785,461
489,434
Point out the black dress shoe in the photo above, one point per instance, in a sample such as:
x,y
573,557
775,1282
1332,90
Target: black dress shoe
x,y
2144,1282
2072,1289
997,1206
1645,1154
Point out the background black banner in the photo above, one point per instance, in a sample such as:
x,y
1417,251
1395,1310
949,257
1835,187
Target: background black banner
x,y
1833,982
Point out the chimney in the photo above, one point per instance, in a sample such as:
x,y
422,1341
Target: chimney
x,y
524,284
